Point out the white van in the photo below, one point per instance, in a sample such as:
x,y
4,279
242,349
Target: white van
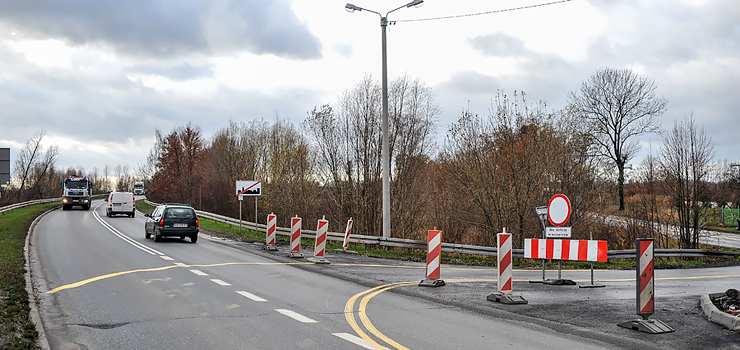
x,y
120,203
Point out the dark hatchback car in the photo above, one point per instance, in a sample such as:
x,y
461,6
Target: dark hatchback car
x,y
172,220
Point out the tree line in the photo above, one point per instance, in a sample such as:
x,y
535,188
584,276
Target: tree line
x,y
490,172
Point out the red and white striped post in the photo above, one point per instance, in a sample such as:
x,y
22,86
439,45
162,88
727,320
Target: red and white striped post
x,y
271,228
347,232
504,262
320,247
505,272
434,255
645,286
295,237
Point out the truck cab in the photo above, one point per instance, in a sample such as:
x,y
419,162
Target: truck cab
x,y
139,188
76,191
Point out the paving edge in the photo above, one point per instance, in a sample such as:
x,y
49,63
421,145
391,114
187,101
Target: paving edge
x,y
717,316
34,313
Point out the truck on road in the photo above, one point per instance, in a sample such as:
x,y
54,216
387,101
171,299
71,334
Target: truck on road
x,y
76,191
139,188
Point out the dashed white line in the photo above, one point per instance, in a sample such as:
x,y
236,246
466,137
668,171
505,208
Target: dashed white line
x,y
355,340
250,296
199,272
218,281
165,257
296,316
181,264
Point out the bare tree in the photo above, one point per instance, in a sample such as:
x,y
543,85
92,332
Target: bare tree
x,y
618,105
686,161
32,165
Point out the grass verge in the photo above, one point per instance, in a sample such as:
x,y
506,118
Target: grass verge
x,y
16,329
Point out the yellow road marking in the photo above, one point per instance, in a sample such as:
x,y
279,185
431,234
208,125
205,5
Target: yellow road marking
x,y
90,280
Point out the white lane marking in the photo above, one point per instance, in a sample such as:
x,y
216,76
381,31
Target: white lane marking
x,y
181,264
218,281
199,272
296,316
165,257
250,296
355,340
120,235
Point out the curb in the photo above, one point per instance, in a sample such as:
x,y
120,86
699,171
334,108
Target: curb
x,y
33,302
717,316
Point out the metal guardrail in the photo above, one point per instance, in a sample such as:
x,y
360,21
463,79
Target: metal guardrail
x,y
450,247
27,204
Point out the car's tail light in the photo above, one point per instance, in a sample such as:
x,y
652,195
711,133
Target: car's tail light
x,y
197,223
161,222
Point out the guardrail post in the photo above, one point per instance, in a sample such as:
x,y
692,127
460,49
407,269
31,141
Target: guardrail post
x,y
645,287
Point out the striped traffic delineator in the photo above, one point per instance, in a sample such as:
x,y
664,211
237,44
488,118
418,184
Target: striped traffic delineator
x,y
270,236
345,244
645,286
295,238
505,275
434,255
320,248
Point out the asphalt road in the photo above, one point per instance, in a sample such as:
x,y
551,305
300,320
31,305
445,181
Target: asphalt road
x,y
102,285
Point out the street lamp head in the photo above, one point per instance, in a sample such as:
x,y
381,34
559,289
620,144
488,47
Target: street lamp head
x,y
352,8
416,3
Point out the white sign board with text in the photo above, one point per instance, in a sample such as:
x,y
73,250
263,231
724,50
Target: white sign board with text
x,y
557,232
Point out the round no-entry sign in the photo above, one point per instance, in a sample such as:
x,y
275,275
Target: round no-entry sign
x,y
558,210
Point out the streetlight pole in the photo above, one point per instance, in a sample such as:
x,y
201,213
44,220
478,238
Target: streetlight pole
x,y
386,148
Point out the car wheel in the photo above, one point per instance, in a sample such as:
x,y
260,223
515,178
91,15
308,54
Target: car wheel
x,y
64,207
157,237
193,239
133,213
147,234
87,207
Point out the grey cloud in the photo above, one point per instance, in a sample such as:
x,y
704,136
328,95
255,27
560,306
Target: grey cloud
x,y
166,28
499,44
179,72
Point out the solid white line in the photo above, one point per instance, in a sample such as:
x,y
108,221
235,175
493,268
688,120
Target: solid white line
x,y
165,257
296,316
120,235
355,340
218,281
199,272
250,296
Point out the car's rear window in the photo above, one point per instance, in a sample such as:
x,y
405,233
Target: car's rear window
x,y
179,213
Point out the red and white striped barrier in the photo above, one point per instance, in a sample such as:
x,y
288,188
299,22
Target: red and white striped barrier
x,y
646,291
271,229
434,255
645,286
347,233
504,262
295,237
565,249
320,247
505,272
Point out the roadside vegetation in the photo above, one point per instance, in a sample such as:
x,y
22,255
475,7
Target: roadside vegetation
x,y
16,329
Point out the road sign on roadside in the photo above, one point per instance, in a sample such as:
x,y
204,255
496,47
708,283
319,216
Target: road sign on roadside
x,y
248,188
558,210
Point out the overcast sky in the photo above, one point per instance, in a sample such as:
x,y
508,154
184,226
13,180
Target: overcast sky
x,y
99,76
